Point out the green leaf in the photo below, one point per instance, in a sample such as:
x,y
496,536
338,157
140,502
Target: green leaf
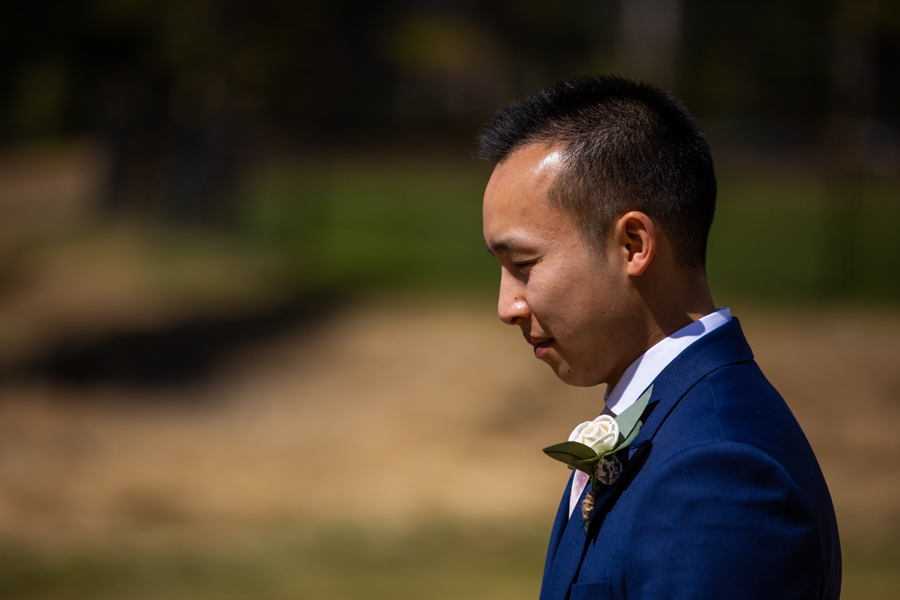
x,y
570,452
629,419
629,439
586,465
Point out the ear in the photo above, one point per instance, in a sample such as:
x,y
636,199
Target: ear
x,y
635,236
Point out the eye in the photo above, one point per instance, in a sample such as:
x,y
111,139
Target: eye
x,y
523,266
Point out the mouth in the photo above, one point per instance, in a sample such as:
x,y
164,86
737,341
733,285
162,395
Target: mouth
x,y
541,345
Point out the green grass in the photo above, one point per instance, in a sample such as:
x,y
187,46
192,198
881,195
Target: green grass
x,y
803,238
871,572
441,562
391,224
386,224
374,226
436,563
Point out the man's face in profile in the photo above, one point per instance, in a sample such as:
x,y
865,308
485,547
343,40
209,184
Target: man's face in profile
x,y
567,298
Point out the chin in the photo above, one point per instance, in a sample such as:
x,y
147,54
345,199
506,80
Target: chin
x,y
576,377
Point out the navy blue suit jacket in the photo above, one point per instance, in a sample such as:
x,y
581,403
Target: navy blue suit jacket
x,y
721,498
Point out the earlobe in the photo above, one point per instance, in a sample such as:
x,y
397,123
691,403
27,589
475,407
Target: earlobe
x,y
638,238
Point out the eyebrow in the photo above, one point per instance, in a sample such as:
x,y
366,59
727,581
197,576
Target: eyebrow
x,y
505,245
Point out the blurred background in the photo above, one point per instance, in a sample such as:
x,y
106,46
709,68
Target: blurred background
x,y
248,340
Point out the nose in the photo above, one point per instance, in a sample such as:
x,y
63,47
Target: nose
x,y
511,305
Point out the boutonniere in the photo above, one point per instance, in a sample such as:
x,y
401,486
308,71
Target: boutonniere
x,y
593,445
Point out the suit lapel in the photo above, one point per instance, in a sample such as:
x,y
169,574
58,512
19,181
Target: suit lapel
x,y
726,345
559,527
561,568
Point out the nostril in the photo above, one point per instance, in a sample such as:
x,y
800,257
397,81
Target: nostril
x,y
512,310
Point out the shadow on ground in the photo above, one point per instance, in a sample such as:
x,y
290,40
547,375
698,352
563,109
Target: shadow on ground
x,y
183,353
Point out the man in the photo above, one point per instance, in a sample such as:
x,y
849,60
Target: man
x,y
598,211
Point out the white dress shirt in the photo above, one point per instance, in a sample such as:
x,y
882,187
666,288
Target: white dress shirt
x,y
641,373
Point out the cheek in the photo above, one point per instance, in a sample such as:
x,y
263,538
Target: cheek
x,y
550,304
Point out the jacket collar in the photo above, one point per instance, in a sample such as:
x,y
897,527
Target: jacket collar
x,y
724,346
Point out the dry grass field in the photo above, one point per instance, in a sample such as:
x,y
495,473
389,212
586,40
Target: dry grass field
x,y
393,413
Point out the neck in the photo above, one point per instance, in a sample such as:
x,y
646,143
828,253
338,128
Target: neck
x,y
682,307
667,306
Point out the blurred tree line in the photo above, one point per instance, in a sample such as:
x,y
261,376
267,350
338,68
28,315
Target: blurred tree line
x,y
185,94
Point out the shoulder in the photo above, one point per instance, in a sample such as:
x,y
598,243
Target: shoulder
x,y
734,413
731,488
735,403
724,512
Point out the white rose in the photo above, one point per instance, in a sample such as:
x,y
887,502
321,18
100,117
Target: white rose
x,y
601,434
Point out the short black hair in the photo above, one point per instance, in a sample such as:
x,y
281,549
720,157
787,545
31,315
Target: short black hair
x,y
626,146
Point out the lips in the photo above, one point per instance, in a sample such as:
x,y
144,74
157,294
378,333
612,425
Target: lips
x,y
541,345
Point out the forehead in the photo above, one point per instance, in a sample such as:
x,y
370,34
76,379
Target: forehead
x,y
532,168
515,209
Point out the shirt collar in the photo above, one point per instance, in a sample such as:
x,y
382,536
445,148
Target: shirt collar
x,y
641,373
